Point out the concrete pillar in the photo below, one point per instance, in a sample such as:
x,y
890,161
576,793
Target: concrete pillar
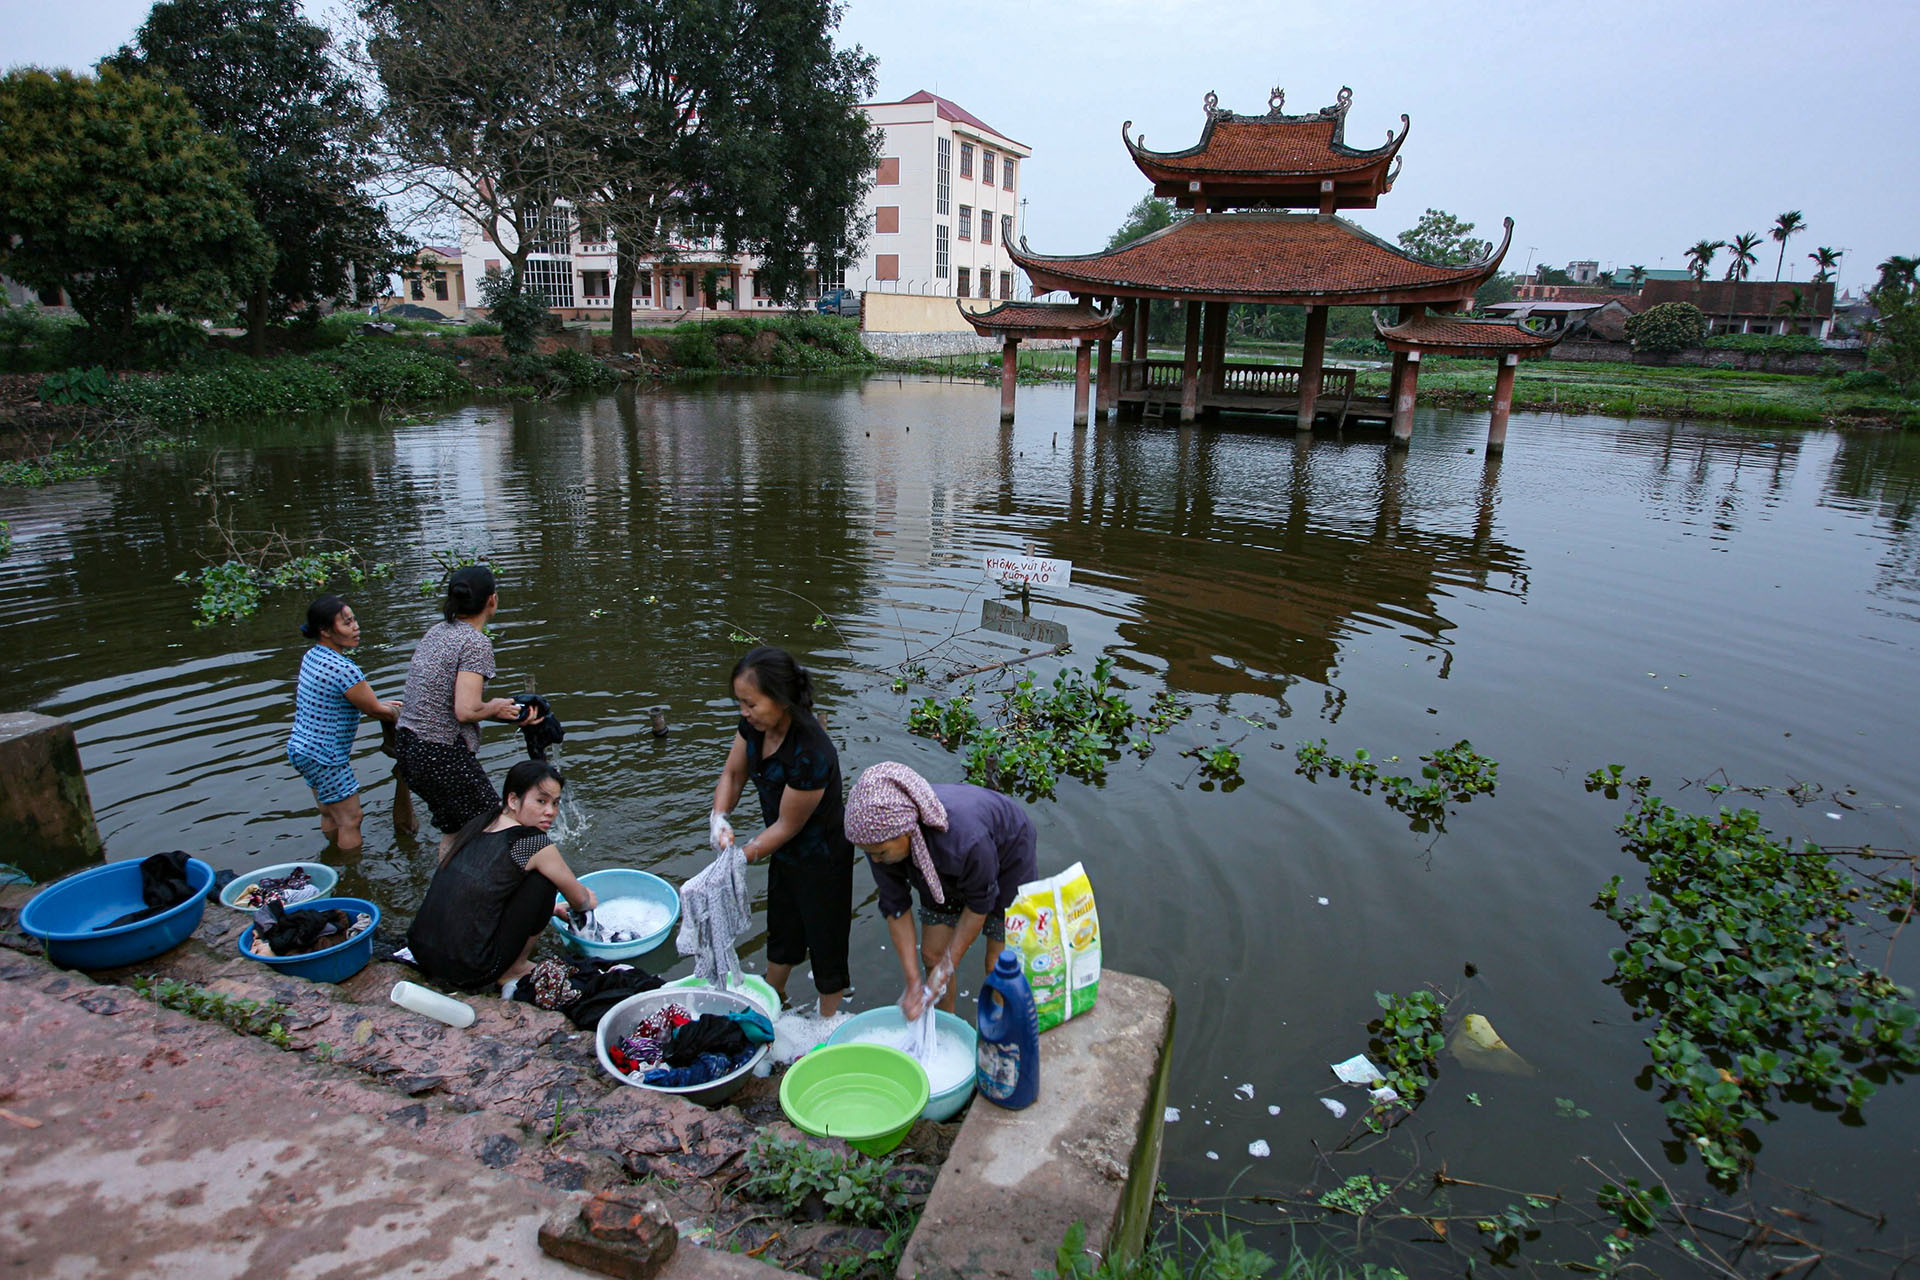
x,y
1312,356
1082,354
1502,403
1009,375
46,816
1408,383
1108,391
1190,371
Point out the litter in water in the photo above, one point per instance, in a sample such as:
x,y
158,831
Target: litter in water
x,y
1479,1048
1357,1070
1384,1093
949,1064
1321,901
1338,1108
1171,1115
1259,1149
1244,1092
1213,1155
1272,1109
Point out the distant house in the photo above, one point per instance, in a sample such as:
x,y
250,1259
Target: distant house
x,y
1752,306
1601,315
1586,271
433,280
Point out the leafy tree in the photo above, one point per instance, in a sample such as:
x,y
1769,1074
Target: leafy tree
x,y
735,116
261,77
1148,215
1897,273
1544,274
114,191
1442,238
1785,226
1498,288
1897,332
1700,257
1825,260
1743,257
1669,327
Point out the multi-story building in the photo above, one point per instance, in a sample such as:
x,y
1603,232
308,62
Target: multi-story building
x,y
944,204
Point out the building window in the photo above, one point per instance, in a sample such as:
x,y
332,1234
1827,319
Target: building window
x,y
548,231
886,219
1006,284
440,288
594,284
986,167
593,228
986,284
986,226
942,175
493,264
1006,228
889,174
551,278
940,250
966,222
417,289
643,287
886,266
1006,174
965,278
966,159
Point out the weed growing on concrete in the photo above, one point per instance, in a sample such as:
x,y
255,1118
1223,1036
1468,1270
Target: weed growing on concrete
x,y
850,1189
261,1018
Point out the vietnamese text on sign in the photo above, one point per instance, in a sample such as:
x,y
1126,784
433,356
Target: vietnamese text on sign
x,y
1035,571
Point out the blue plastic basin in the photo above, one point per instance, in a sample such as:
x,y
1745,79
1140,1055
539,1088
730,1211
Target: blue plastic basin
x,y
66,915
323,876
336,963
940,1106
624,883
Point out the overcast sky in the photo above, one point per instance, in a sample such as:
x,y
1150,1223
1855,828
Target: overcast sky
x,y
1621,131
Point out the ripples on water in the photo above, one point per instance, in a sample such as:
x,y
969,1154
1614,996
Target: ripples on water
x,y
1675,598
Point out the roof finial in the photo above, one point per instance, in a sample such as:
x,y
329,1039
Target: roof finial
x,y
1276,101
1340,104
1212,104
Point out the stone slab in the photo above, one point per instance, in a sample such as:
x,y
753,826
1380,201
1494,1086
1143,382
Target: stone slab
x,y
46,816
1087,1150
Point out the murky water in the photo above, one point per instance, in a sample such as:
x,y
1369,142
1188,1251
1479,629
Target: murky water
x,y
1678,598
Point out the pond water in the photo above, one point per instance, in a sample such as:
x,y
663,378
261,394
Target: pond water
x,y
1691,601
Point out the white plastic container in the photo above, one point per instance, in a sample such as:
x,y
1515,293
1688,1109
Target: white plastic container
x,y
411,995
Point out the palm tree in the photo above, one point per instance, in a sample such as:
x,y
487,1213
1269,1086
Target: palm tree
x,y
1898,273
1636,276
1700,256
1826,260
1787,224
1743,256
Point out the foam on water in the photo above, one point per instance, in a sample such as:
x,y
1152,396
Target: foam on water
x,y
639,916
796,1034
951,1063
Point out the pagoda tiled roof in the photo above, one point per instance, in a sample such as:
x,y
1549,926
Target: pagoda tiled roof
x,y
1273,158
1063,319
1463,335
1285,258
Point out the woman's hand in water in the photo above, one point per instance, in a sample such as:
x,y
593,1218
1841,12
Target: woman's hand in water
x,y
914,1001
719,831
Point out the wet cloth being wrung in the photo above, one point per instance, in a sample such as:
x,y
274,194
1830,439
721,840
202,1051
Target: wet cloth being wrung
x,y
714,912
548,733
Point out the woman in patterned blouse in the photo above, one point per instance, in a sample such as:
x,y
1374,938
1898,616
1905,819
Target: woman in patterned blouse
x,y
327,706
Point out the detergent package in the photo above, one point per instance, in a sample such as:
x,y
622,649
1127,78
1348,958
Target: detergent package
x,y
1054,928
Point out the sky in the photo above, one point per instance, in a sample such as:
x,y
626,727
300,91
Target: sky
x,y
1621,132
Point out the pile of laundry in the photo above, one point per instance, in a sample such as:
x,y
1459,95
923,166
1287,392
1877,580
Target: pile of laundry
x,y
583,991
278,932
672,1049
295,886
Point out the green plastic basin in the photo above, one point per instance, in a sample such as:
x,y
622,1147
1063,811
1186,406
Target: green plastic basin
x,y
867,1095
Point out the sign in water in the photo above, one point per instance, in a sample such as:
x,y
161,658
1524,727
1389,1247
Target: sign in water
x,y
997,615
1036,571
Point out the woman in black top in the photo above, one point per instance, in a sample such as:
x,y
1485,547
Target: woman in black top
x,y
783,749
493,892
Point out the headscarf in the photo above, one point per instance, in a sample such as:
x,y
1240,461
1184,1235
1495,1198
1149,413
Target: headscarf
x,y
889,800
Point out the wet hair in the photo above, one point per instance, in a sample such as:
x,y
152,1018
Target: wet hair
x,y
520,780
779,677
320,616
468,591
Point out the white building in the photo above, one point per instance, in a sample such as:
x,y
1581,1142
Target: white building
x,y
944,204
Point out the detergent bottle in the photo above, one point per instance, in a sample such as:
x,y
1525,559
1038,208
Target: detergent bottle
x,y
1007,1069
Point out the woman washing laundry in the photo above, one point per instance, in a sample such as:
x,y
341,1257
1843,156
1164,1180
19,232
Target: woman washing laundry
x,y
327,706
965,848
782,748
493,891
438,742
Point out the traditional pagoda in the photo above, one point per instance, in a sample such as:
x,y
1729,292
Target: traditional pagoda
x,y
1242,242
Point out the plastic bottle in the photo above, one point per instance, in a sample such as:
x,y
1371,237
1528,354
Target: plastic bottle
x,y
411,995
1007,1068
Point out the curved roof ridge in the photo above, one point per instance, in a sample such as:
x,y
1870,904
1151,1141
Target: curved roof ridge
x,y
1334,116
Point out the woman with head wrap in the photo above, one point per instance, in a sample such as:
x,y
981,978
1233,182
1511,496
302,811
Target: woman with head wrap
x,y
965,848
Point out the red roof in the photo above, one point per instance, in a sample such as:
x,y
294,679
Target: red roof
x,y
1261,257
1742,297
1460,335
1273,158
947,109
1063,319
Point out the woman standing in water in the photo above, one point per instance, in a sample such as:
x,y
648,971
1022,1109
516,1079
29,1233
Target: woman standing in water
x,y
494,889
781,747
446,699
965,848
327,706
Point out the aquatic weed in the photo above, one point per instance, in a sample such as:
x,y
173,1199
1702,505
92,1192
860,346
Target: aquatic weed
x,y
1457,773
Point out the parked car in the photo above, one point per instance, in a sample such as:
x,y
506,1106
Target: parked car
x,y
838,302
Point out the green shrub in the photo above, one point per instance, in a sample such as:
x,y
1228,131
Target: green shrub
x,y
1666,328
382,371
736,326
482,329
1774,344
30,339
694,349
288,384
577,371
165,342
1866,380
76,386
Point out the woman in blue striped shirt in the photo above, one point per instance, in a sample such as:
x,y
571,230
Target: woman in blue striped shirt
x,y
327,706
